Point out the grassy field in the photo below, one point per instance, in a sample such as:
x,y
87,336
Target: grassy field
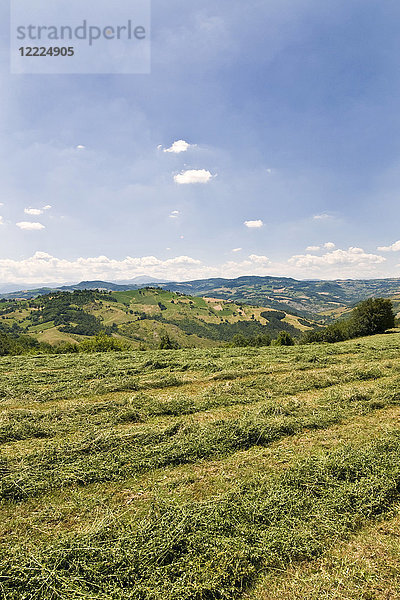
x,y
203,474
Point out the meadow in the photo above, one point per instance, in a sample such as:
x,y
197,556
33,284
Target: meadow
x,y
220,473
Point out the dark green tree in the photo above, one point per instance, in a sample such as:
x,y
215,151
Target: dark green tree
x,y
166,343
284,339
240,341
372,316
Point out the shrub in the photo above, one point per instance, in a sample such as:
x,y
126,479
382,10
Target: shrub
x,y
102,343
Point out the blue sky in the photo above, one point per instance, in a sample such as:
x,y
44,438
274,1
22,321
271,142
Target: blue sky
x,y
290,114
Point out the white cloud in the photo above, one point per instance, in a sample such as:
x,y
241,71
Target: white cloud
x,y
174,214
259,260
178,147
193,176
254,224
33,211
80,147
47,207
1,221
329,245
322,217
313,248
30,226
43,267
393,248
1,203
343,258
237,249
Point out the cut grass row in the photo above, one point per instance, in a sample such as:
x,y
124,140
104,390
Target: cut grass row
x,y
213,549
366,567
20,424
25,380
110,457
192,490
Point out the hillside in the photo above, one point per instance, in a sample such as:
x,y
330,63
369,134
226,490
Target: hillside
x,y
141,317
253,474
314,299
322,300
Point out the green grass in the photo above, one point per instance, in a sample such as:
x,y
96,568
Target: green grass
x,y
195,474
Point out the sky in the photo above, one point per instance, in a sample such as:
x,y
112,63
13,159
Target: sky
x,y
264,141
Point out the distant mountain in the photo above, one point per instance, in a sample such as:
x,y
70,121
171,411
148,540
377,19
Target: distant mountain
x,y
21,290
83,285
319,299
141,280
308,298
9,288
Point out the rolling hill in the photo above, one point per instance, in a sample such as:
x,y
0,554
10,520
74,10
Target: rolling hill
x,y
315,299
141,317
321,300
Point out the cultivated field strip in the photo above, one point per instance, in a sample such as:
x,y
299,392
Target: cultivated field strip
x,y
183,474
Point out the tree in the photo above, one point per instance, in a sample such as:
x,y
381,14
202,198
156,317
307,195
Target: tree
x,y
372,316
239,341
284,339
166,343
262,339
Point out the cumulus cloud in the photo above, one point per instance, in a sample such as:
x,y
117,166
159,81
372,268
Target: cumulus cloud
x,y
30,226
43,267
393,248
174,214
343,258
260,260
47,207
193,176
254,224
237,249
80,147
178,147
33,211
313,248
329,245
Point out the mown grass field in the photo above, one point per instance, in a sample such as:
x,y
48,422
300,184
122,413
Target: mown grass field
x,y
203,474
